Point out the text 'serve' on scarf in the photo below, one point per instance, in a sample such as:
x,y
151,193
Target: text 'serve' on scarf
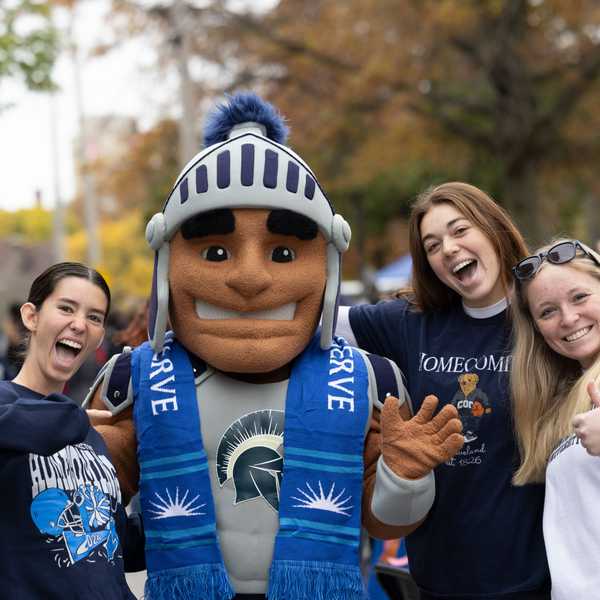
x,y
316,554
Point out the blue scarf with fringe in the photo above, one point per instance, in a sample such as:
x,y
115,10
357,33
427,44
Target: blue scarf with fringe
x,y
316,554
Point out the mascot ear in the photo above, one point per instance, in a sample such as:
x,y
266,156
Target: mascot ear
x,y
340,233
156,231
340,240
159,299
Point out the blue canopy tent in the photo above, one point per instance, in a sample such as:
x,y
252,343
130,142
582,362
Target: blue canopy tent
x,y
395,275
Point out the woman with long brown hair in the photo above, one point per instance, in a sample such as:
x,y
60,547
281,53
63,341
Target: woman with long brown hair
x,y
450,335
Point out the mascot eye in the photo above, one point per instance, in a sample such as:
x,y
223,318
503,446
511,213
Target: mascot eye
x,y
282,254
215,253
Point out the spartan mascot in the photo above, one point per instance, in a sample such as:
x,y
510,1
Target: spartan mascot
x,y
252,434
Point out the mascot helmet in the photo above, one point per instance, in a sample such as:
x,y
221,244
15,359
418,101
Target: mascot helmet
x,y
245,164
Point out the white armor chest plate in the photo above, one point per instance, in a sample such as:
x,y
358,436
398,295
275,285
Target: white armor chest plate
x,y
242,431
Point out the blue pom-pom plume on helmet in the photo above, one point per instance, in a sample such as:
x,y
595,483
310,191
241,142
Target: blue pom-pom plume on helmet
x,y
245,165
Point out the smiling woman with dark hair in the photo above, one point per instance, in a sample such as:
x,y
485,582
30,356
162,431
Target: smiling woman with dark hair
x,y
60,509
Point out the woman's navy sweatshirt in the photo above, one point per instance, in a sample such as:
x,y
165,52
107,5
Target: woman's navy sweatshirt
x,y
62,519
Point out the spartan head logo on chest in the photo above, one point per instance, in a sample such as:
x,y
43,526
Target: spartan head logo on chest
x,y
250,454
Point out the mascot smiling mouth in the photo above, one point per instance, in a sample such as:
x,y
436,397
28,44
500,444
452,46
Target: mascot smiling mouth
x,y
281,313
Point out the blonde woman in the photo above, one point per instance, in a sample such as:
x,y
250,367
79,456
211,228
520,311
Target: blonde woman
x,y
556,362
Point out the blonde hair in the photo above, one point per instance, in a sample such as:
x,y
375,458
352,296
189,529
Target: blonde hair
x,y
548,389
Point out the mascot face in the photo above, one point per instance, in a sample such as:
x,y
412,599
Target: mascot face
x,y
246,287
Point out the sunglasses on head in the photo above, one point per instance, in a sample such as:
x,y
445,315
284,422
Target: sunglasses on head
x,y
559,254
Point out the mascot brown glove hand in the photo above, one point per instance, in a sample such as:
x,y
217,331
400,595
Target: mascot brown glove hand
x,y
413,448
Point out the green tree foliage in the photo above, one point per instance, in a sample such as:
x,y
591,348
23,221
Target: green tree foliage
x,y
28,42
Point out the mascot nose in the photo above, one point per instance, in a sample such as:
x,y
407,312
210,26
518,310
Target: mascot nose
x,y
249,282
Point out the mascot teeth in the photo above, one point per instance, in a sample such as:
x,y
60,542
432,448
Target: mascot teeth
x,y
280,313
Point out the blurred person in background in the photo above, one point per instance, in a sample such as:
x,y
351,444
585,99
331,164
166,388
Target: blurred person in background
x,y
136,331
11,340
555,376
389,576
63,525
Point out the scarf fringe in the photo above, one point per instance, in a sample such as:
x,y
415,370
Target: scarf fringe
x,y
314,581
209,582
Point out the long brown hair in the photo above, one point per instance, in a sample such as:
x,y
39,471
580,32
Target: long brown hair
x,y
427,292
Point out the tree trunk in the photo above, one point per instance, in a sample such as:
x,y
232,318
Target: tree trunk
x,y
520,197
359,243
592,220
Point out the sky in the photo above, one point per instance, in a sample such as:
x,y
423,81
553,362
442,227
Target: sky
x,y
121,82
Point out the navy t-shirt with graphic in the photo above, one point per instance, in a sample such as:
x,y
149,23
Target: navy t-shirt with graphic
x,y
483,536
60,507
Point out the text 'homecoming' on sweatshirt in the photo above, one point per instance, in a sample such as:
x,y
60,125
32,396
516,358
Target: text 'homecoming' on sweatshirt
x,y
60,507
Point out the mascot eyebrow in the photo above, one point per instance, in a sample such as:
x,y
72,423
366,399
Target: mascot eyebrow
x,y
222,222
212,222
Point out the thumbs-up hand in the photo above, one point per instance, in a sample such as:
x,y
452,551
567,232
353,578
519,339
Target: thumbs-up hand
x,y
413,448
587,425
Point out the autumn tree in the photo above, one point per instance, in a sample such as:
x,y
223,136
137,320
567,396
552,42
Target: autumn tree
x,y
503,93
138,173
126,258
232,50
134,180
386,98
31,225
